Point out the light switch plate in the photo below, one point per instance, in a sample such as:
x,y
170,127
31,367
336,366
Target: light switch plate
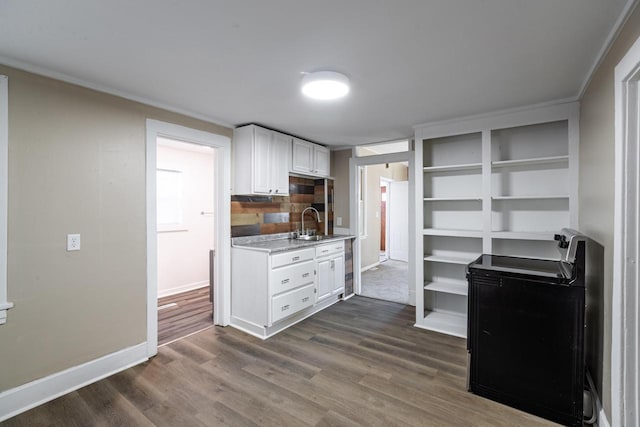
x,y
73,242
339,221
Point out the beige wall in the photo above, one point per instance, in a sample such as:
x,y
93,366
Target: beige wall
x,y
597,172
340,171
371,245
76,165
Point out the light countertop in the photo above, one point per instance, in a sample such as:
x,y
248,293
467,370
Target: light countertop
x,y
281,242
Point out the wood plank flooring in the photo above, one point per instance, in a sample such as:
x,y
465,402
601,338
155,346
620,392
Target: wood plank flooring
x,y
359,362
193,312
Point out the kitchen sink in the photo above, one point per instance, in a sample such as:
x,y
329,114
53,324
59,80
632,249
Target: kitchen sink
x,y
313,238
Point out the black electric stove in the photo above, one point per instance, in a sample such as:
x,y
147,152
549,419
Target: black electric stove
x,y
526,330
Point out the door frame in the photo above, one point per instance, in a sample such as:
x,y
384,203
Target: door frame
x,y
386,215
222,221
625,352
354,223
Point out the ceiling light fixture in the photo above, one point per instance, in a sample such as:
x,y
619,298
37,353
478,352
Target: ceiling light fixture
x,y
325,85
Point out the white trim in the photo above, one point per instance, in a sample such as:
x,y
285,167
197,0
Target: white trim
x,y
183,288
604,49
22,398
369,267
222,222
625,324
563,109
4,192
601,420
25,66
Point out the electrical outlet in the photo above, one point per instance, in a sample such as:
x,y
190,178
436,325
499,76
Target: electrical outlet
x,y
73,242
339,221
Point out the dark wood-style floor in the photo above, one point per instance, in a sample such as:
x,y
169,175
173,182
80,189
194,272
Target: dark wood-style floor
x,y
359,362
193,312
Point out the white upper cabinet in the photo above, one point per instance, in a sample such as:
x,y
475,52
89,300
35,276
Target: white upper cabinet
x,y
261,159
310,159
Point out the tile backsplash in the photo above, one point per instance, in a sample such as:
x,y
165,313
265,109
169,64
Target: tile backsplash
x,y
254,215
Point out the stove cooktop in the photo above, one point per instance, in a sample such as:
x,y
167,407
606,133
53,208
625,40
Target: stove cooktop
x,y
524,266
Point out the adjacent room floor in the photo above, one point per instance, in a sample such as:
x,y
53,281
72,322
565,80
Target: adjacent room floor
x,y
182,314
387,281
359,362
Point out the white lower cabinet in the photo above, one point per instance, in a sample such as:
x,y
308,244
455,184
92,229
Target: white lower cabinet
x,y
291,302
330,277
271,292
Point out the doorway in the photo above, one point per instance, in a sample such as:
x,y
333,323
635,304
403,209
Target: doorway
x,y
384,219
384,251
220,218
185,230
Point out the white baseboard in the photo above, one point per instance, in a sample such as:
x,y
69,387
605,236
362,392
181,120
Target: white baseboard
x,y
602,420
183,288
30,395
369,267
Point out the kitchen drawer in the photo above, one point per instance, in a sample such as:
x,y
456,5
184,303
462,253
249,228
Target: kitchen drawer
x,y
291,302
330,248
291,257
291,276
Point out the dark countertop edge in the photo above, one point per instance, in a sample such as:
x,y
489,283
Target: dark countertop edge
x,y
299,244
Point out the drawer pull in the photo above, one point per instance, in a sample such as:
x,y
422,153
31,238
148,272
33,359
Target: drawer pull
x,y
285,281
295,258
325,251
305,275
305,299
285,307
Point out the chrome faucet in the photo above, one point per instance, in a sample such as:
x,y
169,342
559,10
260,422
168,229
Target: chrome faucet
x,y
302,217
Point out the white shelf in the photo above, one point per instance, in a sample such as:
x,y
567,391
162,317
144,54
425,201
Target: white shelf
x,y
453,199
450,260
456,288
533,161
447,168
446,323
523,235
547,197
452,233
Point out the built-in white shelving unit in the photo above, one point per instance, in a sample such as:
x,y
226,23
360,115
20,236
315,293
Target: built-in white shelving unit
x,y
501,184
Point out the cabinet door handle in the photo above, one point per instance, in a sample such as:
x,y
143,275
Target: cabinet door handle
x,y
333,265
285,281
305,275
285,307
305,299
295,258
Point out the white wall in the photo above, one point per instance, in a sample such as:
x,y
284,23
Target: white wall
x,y
183,254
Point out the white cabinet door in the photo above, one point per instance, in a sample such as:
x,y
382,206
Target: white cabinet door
x,y
321,160
280,163
325,279
261,161
302,158
338,275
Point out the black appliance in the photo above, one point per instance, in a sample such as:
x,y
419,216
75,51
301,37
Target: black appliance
x,y
525,331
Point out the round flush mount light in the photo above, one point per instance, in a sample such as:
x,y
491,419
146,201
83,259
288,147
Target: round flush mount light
x,y
325,85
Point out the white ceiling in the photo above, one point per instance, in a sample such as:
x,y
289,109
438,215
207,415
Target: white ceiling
x,y
239,61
